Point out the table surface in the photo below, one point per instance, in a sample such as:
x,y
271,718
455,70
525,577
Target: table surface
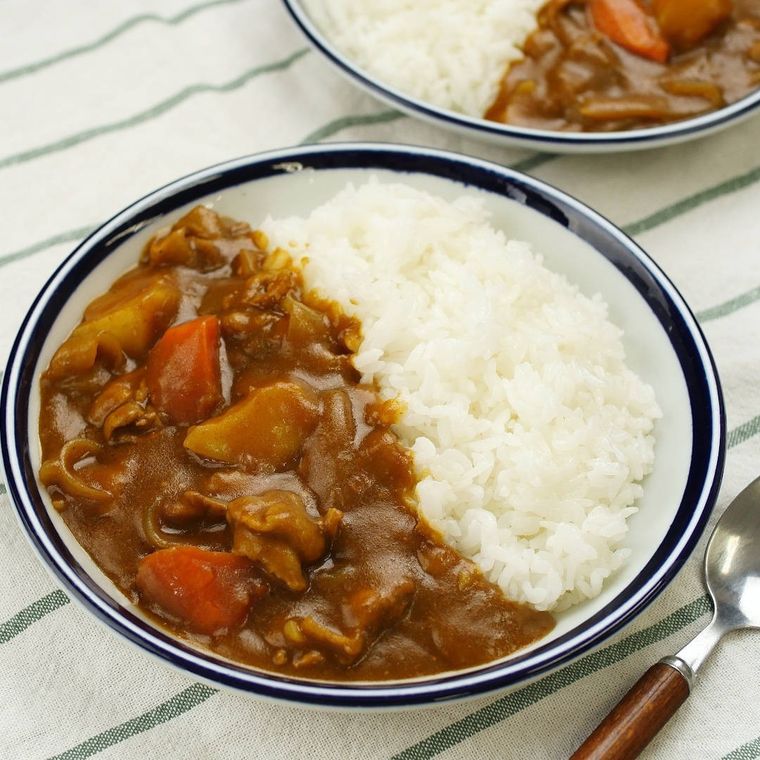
x,y
103,102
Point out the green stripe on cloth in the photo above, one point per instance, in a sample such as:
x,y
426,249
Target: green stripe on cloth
x,y
518,700
63,237
346,122
693,201
31,68
177,705
23,619
453,734
533,162
747,751
152,112
729,307
743,432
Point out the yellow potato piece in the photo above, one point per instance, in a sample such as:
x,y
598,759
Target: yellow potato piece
x,y
264,430
129,318
686,22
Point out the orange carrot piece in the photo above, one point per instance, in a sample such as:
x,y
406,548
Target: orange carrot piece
x,y
627,24
183,372
207,591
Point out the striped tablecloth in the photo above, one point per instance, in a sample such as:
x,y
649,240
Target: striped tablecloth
x,y
102,102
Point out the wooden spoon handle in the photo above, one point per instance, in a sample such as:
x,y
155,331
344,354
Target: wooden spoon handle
x,y
637,718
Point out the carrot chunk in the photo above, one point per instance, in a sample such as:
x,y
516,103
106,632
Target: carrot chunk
x,y
183,372
207,591
627,24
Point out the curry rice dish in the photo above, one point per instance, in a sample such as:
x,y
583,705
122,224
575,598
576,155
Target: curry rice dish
x,y
569,65
209,440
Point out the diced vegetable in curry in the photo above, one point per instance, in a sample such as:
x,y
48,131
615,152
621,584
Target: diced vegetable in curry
x,y
604,65
206,439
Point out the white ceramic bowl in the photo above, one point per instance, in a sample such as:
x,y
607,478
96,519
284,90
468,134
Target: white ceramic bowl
x,y
506,134
663,343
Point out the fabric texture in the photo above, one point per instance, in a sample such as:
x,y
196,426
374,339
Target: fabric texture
x,y
103,102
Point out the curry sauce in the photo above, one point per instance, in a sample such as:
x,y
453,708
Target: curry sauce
x,y
658,62
208,441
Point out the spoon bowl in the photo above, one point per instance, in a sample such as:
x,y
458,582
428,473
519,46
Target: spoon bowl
x,y
732,562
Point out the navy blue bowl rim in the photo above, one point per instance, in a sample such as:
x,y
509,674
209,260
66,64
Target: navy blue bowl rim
x,y
656,136
687,340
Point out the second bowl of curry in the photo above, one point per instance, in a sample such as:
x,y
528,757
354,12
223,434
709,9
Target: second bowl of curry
x,y
584,76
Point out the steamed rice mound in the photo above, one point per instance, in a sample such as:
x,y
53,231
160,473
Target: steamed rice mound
x,y
530,434
450,53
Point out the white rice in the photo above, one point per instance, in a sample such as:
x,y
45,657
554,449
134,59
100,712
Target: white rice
x,y
530,434
451,53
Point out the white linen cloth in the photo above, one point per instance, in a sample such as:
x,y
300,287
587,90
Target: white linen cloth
x,y
103,102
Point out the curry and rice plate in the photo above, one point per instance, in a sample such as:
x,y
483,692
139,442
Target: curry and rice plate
x,y
377,442
569,65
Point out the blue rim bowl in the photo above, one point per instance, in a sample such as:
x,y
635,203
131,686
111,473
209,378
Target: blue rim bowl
x,y
620,255
506,134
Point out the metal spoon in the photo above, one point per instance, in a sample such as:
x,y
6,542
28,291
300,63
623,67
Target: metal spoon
x,y
732,575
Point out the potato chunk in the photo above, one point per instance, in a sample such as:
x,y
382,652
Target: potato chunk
x,y
686,22
265,430
127,319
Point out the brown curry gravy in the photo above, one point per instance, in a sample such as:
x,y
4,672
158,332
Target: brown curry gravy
x,y
573,78
384,598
